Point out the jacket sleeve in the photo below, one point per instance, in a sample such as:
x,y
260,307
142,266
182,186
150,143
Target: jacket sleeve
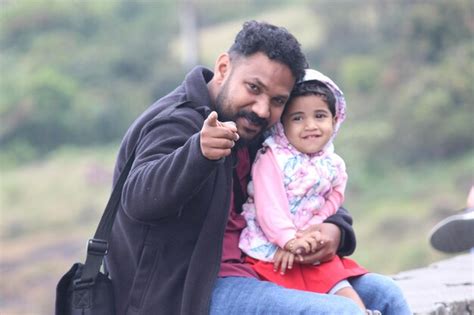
x,y
271,203
169,167
332,203
335,198
343,220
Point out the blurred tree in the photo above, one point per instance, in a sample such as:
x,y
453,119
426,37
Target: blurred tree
x,y
189,33
408,79
80,72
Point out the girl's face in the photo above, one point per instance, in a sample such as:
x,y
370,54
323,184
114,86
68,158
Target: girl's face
x,y
308,123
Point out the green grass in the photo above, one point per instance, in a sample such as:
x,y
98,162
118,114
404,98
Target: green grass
x,y
394,214
71,186
48,211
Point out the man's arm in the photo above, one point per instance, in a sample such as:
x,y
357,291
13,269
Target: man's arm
x,y
336,235
169,167
343,220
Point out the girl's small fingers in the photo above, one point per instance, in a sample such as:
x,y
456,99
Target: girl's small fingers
x,y
276,261
307,247
314,245
291,259
284,264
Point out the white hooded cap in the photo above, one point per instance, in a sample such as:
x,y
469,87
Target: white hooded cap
x,y
313,75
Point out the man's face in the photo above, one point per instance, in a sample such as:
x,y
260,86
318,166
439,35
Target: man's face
x,y
253,94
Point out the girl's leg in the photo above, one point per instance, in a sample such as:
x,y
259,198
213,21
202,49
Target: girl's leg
x,y
344,288
381,293
239,295
350,293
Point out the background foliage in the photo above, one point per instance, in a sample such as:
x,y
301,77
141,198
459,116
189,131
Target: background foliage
x,y
75,74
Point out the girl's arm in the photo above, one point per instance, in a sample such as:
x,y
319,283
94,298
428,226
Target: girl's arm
x,y
341,217
335,197
271,203
337,215
333,202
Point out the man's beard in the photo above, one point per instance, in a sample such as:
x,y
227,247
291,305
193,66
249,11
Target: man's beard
x,y
223,109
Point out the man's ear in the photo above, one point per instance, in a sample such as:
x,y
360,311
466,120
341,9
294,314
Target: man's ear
x,y
222,68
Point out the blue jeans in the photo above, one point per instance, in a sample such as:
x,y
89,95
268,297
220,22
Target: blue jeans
x,y
247,296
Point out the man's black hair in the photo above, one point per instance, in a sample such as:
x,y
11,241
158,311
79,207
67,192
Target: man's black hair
x,y
314,88
275,42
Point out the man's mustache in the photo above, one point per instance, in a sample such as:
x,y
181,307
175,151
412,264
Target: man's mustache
x,y
253,118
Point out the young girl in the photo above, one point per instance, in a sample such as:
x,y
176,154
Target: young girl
x,y
299,181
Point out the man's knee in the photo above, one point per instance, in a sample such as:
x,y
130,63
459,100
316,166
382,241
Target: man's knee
x,y
380,293
247,296
387,286
375,282
301,302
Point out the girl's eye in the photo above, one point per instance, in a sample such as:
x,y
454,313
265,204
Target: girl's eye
x,y
297,118
320,116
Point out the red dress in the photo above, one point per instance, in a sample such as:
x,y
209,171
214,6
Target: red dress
x,y
315,278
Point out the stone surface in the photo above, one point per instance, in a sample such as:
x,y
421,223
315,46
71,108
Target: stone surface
x,y
445,287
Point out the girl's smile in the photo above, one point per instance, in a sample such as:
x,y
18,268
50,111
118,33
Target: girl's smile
x,y
308,123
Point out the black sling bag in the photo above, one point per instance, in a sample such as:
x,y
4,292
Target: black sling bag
x,y
85,289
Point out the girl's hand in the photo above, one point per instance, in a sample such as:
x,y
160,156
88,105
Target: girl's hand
x,y
330,237
283,260
304,244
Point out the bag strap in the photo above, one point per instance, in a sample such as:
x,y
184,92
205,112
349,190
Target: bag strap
x,y
97,247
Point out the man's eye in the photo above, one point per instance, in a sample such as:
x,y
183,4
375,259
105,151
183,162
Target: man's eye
x,y
280,101
253,87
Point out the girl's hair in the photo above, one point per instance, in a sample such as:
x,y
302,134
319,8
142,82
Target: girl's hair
x,y
314,88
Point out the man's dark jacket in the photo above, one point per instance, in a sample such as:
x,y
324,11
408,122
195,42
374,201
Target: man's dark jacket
x,y
166,241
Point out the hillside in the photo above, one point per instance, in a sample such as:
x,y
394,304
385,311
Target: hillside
x,y
55,205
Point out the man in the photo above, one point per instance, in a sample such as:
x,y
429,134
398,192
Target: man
x,y
174,247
